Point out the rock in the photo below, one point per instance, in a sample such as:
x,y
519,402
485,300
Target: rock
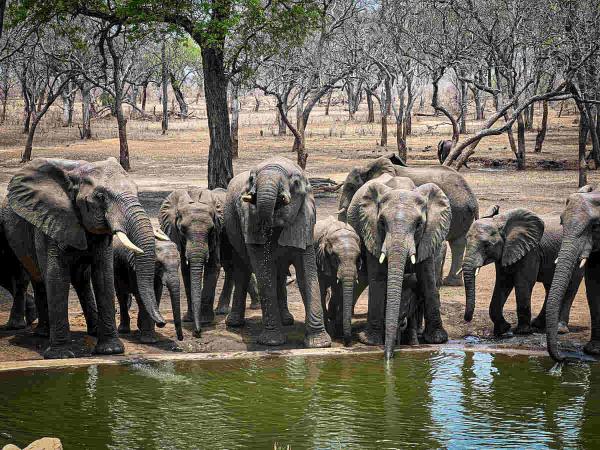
x,y
10,447
45,443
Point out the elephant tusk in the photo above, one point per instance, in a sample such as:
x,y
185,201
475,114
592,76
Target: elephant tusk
x,y
413,259
459,271
160,235
582,263
285,198
339,211
247,198
381,258
556,261
128,244
477,271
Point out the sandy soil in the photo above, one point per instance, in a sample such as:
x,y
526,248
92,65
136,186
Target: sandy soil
x,y
179,159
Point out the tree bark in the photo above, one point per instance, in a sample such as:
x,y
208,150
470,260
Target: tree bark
x,y
5,88
541,134
583,133
235,115
86,132
463,107
29,143
164,81
256,103
593,130
183,106
371,110
400,140
328,104
521,141
280,123
144,95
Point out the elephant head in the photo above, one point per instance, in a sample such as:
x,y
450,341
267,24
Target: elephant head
x,y
359,175
193,221
398,222
278,196
70,200
338,255
504,239
167,267
581,237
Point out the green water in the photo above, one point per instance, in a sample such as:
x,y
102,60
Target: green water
x,y
448,399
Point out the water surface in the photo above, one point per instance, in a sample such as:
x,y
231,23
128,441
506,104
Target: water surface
x,y
446,399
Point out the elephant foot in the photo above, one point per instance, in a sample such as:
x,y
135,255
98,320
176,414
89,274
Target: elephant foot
x,y
287,318
30,315
207,317
58,352
92,330
148,337
435,335
319,339
370,337
235,320
222,310
254,305
110,346
124,328
592,347
409,337
188,317
271,337
42,330
453,280
16,324
539,323
502,329
523,329
563,328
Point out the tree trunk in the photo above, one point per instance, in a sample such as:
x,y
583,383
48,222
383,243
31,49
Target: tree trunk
x,y
583,133
383,130
328,104
164,81
144,95
86,132
235,115
479,106
256,103
183,106
400,140
595,155
280,122
511,138
371,111
4,93
29,143
529,112
220,168
68,104
122,125
463,107
300,148
541,134
521,142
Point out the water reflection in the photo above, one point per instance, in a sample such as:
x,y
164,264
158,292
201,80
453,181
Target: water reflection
x,y
450,399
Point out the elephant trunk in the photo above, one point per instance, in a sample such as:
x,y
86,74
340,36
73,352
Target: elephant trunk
x,y
347,303
173,286
396,254
469,269
136,225
266,197
196,281
568,256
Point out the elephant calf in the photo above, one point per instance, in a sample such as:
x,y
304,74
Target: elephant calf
x,y
524,248
166,273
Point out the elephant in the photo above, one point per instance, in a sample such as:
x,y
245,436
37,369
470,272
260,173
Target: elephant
x,y
463,202
338,256
166,274
269,217
193,220
396,221
60,221
580,247
443,150
523,247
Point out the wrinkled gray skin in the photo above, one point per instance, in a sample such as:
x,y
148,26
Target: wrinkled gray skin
x,y
580,246
60,220
337,248
193,221
166,274
463,202
399,223
443,150
269,218
523,247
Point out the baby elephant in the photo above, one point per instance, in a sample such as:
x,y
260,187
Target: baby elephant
x,y
524,247
166,273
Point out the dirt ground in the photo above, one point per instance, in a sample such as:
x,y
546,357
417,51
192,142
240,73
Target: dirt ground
x,y
179,159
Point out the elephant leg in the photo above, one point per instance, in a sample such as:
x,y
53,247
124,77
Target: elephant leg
x,y
565,309
241,280
16,320
225,297
253,292
41,304
328,310
104,290
373,334
440,259
335,311
306,274
592,288
57,287
504,284
124,298
539,323
145,323
31,313
457,247
83,287
185,274
207,301
286,316
523,288
434,332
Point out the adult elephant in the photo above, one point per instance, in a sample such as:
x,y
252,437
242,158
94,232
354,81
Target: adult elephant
x,y
193,220
580,248
398,221
463,202
60,221
270,218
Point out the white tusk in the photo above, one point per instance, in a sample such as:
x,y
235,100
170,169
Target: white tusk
x,y
556,261
381,258
285,199
247,197
128,244
340,211
459,271
477,271
582,263
413,259
160,235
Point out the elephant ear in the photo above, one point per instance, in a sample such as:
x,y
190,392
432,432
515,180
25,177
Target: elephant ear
x,y
522,231
322,250
167,215
437,225
491,212
396,160
363,214
299,233
43,194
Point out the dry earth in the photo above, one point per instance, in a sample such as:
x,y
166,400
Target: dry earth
x,y
179,159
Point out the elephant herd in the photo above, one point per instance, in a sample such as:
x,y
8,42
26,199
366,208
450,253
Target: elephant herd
x,y
59,217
